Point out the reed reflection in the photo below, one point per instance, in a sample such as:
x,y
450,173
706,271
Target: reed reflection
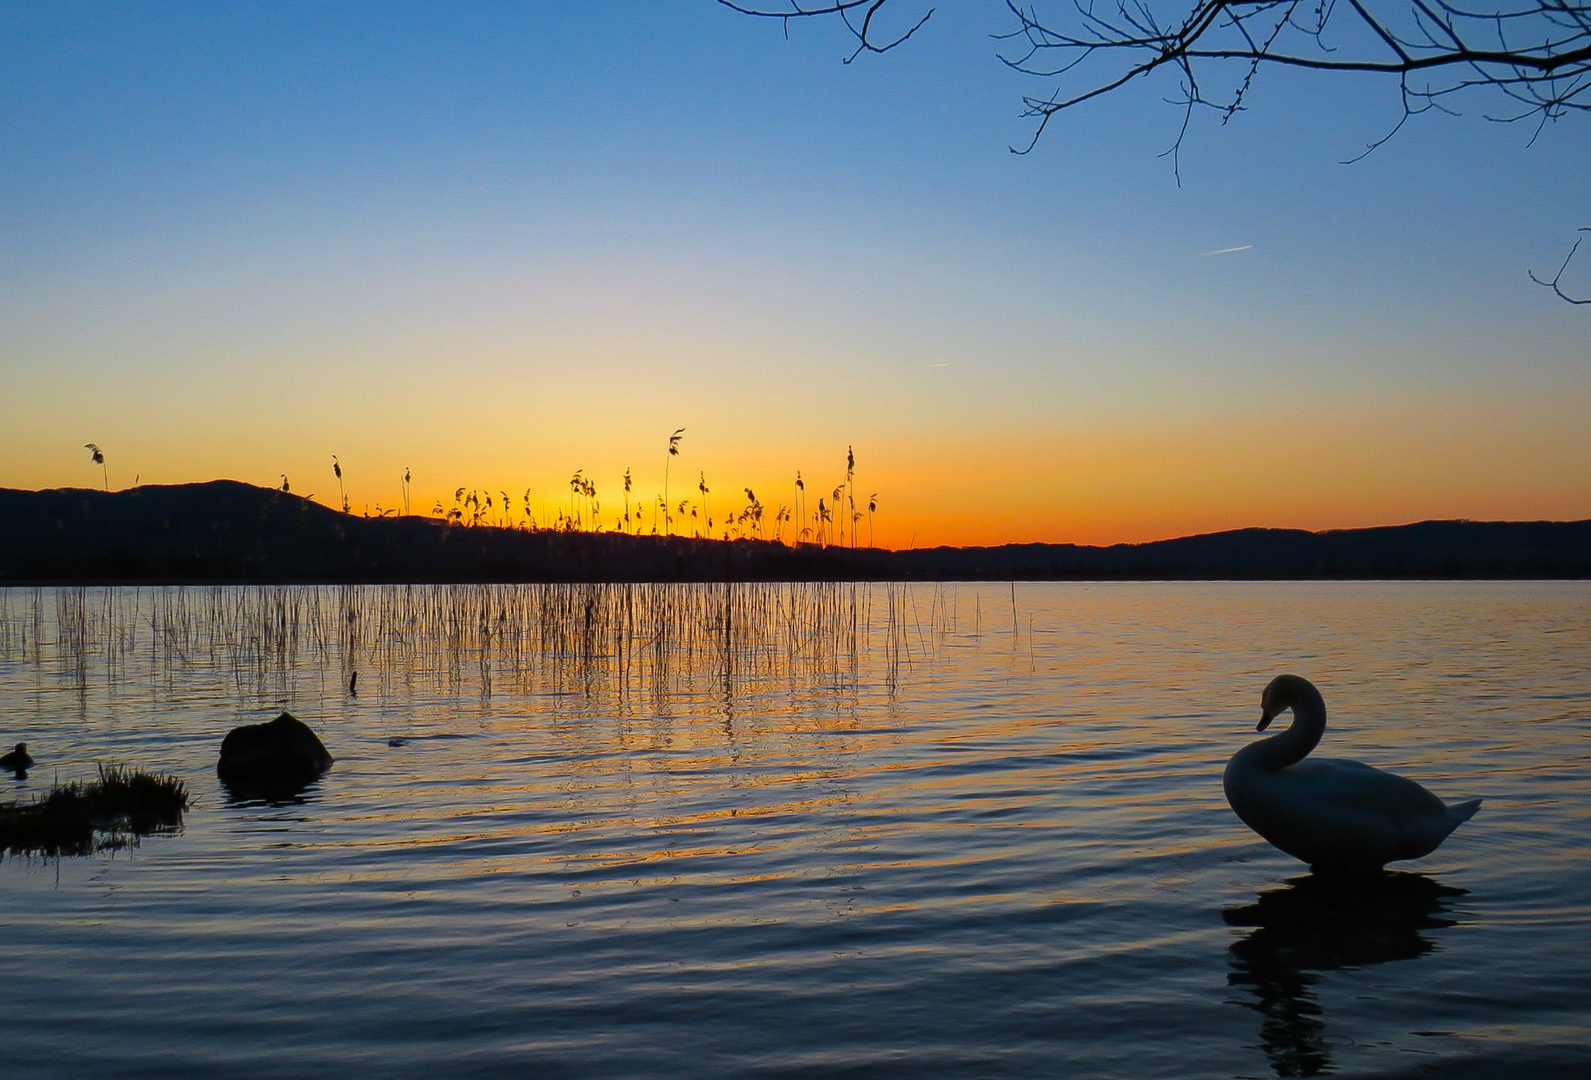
x,y
614,645
1316,924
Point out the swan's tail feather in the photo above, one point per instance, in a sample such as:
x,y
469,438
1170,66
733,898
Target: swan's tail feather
x,y
1459,813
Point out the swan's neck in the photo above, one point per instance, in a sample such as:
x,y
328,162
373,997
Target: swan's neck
x,y
1302,735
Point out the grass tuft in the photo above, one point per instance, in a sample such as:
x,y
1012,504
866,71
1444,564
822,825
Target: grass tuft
x,y
80,817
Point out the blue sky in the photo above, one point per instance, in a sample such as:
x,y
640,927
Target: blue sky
x,y
499,242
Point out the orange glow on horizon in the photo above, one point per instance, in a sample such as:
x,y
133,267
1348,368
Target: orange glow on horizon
x,y
1342,464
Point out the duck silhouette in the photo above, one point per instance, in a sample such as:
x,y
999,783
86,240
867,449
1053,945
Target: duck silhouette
x,y
19,760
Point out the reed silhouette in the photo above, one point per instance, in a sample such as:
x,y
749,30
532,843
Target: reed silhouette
x,y
97,456
800,508
576,484
477,508
337,469
627,500
619,642
850,489
673,452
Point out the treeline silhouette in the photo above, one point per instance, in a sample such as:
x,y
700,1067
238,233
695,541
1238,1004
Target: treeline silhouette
x,y
224,531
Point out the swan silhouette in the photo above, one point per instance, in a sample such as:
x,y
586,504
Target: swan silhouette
x,y
1338,816
18,760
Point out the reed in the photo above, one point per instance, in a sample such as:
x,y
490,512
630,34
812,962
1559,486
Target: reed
x,y
97,456
337,469
673,452
111,811
614,645
850,489
800,507
836,521
627,500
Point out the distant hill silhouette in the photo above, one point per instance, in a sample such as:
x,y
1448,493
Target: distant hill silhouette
x,y
224,531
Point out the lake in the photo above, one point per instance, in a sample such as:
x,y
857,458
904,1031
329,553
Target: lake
x,y
964,830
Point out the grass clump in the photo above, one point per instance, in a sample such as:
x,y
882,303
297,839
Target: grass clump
x,y
82,817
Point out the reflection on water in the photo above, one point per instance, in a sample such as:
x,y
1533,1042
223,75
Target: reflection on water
x,y
256,791
1319,923
793,830
597,642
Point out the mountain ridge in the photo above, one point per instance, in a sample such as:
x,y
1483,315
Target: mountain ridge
x,y
228,531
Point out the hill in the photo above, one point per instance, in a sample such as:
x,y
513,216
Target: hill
x,y
225,531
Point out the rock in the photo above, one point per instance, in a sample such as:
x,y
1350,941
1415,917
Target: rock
x,y
282,755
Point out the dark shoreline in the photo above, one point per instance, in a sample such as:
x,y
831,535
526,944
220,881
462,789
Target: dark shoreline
x,y
226,532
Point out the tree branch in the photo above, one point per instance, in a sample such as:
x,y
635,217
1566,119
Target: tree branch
x,y
1534,54
1552,283
844,9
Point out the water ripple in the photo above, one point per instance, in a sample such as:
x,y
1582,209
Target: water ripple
x,y
796,830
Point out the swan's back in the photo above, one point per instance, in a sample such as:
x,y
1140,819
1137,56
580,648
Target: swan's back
x,y
1344,815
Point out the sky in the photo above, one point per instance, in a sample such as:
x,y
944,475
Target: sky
x,y
495,243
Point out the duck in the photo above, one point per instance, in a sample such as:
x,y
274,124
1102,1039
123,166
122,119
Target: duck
x,y
18,760
1338,816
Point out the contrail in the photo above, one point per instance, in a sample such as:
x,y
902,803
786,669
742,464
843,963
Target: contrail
x,y
1228,251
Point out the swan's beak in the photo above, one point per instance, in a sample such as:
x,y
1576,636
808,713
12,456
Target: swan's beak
x,y
1265,720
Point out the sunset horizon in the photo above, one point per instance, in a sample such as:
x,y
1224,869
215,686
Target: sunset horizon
x,y
1101,521
443,243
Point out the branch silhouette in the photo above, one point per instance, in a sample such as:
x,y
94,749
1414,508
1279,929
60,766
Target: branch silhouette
x,y
1531,59
1535,53
1553,282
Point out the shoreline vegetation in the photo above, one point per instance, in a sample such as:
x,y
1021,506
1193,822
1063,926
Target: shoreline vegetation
x,y
110,812
225,531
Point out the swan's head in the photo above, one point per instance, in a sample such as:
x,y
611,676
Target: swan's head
x,y
1281,694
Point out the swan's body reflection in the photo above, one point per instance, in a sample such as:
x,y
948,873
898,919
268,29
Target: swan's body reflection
x,y
1317,924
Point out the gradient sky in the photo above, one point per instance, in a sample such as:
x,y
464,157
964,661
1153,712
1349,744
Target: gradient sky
x,y
495,243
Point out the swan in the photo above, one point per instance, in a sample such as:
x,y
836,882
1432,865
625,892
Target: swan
x,y
1336,815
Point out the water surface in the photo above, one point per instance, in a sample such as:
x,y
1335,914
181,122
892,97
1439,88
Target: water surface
x,y
807,830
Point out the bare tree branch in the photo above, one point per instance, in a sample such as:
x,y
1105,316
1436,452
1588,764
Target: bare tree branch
x,y
846,10
1553,282
1534,56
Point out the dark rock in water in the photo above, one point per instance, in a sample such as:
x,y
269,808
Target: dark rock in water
x,y
272,760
